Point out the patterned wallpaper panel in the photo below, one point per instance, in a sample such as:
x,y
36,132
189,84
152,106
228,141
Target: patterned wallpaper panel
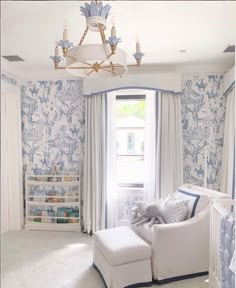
x,y
203,114
53,118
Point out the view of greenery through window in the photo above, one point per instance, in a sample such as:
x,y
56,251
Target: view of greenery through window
x,y
126,108
130,125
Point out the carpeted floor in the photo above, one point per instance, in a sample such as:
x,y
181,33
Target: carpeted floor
x,y
36,259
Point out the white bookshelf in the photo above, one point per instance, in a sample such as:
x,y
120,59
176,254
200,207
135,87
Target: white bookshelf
x,y
52,201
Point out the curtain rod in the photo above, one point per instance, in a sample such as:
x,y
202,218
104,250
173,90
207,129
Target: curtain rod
x,y
132,87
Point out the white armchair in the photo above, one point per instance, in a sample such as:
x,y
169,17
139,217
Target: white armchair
x,y
181,250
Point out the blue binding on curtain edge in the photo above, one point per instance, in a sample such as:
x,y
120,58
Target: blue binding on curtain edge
x,y
132,87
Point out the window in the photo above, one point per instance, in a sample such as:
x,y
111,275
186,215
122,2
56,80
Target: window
x,y
130,125
130,143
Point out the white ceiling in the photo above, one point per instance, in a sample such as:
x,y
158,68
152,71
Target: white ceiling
x,y
202,28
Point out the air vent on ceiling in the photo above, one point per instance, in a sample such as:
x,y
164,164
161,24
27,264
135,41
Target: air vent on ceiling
x,y
229,49
13,58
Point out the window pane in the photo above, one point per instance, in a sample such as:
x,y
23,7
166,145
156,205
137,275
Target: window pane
x,y
131,143
130,140
126,200
130,169
126,108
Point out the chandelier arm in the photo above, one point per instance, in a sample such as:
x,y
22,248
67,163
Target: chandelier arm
x,y
90,72
87,63
73,58
74,67
109,56
112,66
104,37
112,72
77,67
133,65
102,34
82,38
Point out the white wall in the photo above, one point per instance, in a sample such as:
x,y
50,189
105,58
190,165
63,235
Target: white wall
x,y
11,155
4,194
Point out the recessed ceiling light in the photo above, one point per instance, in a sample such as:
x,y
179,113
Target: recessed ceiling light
x,y
182,51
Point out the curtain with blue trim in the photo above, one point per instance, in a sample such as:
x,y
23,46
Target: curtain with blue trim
x,y
94,182
150,147
233,185
99,179
169,144
228,145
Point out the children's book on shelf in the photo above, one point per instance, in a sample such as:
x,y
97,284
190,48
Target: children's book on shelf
x,y
52,197
70,212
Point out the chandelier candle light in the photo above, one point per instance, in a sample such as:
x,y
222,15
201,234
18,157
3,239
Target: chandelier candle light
x,y
103,60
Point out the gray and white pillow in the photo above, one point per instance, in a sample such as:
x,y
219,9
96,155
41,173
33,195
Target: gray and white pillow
x,y
196,200
174,210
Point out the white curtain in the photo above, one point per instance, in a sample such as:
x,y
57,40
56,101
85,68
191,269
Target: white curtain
x,y
150,148
99,164
228,148
94,188
111,160
169,143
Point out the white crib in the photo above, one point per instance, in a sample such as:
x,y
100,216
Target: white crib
x,y
218,209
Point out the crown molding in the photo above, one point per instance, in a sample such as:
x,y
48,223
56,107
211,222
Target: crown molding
x,y
11,70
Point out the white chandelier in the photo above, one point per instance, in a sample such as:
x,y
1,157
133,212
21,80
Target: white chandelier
x,y
103,60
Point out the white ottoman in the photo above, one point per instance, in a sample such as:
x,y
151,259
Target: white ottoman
x,y
122,258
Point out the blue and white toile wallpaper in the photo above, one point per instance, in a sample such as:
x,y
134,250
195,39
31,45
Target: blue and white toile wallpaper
x,y
53,118
203,115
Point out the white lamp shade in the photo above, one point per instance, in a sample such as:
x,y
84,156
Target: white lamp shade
x,y
87,55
